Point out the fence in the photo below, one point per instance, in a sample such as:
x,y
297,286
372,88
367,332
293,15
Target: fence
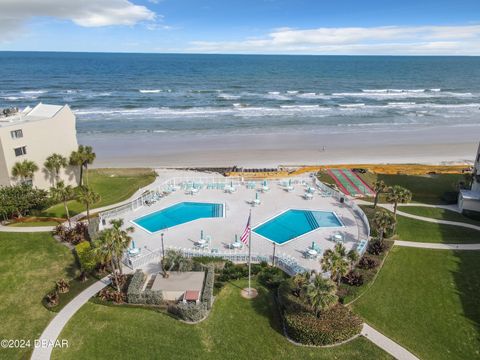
x,y
285,262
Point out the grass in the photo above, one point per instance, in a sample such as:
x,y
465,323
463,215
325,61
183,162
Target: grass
x,y
113,185
30,263
348,293
429,189
422,231
436,213
427,301
236,328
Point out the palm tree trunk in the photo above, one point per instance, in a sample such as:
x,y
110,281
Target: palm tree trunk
x,y
67,213
86,173
114,271
377,194
395,209
81,175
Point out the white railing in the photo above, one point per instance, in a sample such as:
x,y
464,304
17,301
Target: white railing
x,y
285,262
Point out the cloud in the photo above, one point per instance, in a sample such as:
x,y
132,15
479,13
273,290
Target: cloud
x,y
415,40
87,13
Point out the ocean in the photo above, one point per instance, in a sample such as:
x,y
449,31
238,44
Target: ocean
x,y
242,94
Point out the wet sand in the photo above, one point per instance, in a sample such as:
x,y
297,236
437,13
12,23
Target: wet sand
x,y
439,145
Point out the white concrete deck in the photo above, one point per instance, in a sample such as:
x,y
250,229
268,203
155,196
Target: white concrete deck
x,y
223,230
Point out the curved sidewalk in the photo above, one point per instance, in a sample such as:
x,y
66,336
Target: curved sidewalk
x,y
437,246
388,345
55,327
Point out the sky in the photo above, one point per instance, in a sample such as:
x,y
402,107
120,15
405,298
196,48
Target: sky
x,y
333,27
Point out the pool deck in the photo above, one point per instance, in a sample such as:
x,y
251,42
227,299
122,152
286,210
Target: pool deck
x,y
223,230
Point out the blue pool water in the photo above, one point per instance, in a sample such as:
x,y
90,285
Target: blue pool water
x,y
179,214
294,223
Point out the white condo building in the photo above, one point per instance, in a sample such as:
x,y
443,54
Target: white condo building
x,y
469,200
34,134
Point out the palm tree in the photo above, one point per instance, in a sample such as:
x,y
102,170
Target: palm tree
x,y
335,261
383,221
82,158
300,281
379,187
53,164
321,294
87,197
172,259
397,194
121,238
24,170
352,257
105,250
63,193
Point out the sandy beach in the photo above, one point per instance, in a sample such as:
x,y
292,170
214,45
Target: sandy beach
x,y
438,145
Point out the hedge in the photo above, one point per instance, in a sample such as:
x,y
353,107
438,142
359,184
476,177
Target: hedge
x,y
135,295
189,311
333,326
207,294
289,302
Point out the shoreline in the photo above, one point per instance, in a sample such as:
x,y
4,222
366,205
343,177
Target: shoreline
x,y
433,146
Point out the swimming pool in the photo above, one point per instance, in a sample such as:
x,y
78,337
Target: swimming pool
x,y
178,214
294,223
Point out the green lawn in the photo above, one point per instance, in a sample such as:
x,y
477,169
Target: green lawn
x,y
33,223
422,231
236,329
427,300
436,213
30,263
429,189
113,185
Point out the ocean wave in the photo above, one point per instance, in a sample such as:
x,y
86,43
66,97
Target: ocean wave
x,y
292,92
228,96
312,95
33,92
149,91
356,105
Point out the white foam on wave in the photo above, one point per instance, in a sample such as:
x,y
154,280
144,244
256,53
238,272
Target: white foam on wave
x,y
149,91
228,96
312,95
292,92
33,92
356,105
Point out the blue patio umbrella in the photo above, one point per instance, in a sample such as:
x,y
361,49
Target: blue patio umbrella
x,y
236,238
133,244
201,234
264,182
289,182
231,183
256,195
313,245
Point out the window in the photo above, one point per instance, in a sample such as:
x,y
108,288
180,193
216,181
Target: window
x,y
20,151
16,134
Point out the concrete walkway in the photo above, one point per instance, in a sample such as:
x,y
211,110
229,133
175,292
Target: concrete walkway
x,y
53,330
437,246
386,344
13,229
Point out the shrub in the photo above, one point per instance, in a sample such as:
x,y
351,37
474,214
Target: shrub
x,y
288,301
109,294
367,263
62,286
376,247
233,272
135,287
20,200
353,278
271,277
332,326
52,299
86,258
73,235
135,295
189,311
207,294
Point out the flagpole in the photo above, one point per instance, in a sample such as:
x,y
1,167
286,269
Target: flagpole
x,y
250,253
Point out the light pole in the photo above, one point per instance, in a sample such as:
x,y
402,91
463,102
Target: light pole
x,y
273,258
163,252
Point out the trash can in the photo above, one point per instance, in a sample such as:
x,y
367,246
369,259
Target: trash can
x,y
342,200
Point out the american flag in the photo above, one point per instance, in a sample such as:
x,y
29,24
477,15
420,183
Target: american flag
x,y
246,232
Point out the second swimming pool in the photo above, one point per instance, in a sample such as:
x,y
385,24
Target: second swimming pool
x,y
294,223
